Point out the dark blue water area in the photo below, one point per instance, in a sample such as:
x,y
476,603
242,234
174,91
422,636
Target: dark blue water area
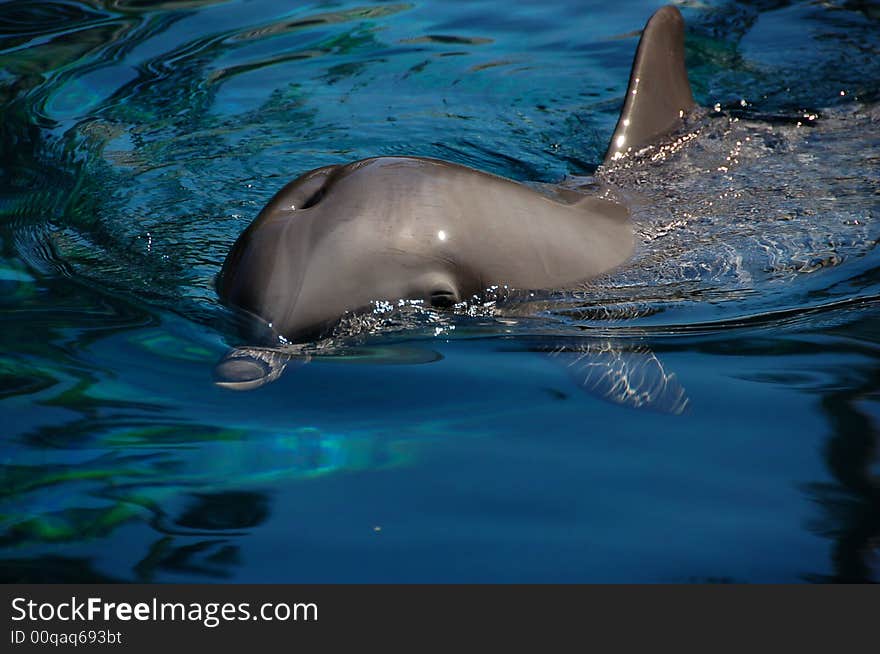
x,y
708,413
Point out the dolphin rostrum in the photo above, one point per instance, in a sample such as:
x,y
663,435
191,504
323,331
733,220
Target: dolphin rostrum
x,y
341,237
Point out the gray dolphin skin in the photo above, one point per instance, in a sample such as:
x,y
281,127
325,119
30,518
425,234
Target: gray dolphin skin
x,y
389,228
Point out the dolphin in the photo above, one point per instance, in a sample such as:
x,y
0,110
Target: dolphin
x,y
341,237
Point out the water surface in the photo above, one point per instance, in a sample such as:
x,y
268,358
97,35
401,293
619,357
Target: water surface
x,y
707,413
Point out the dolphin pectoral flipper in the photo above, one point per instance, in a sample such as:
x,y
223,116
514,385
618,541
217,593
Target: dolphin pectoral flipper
x,y
659,93
629,376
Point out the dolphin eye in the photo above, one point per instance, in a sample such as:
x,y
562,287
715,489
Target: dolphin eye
x,y
442,299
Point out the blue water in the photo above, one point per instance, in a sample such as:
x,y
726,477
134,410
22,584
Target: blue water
x,y
707,413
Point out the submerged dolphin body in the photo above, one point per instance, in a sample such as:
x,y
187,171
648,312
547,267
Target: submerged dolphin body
x,y
341,237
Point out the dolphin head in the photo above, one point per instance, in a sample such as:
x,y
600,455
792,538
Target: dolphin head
x,y
323,247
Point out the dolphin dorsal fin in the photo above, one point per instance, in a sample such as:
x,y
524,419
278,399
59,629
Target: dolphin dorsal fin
x,y
659,94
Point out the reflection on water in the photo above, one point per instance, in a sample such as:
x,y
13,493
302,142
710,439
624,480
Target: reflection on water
x,y
851,503
707,413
